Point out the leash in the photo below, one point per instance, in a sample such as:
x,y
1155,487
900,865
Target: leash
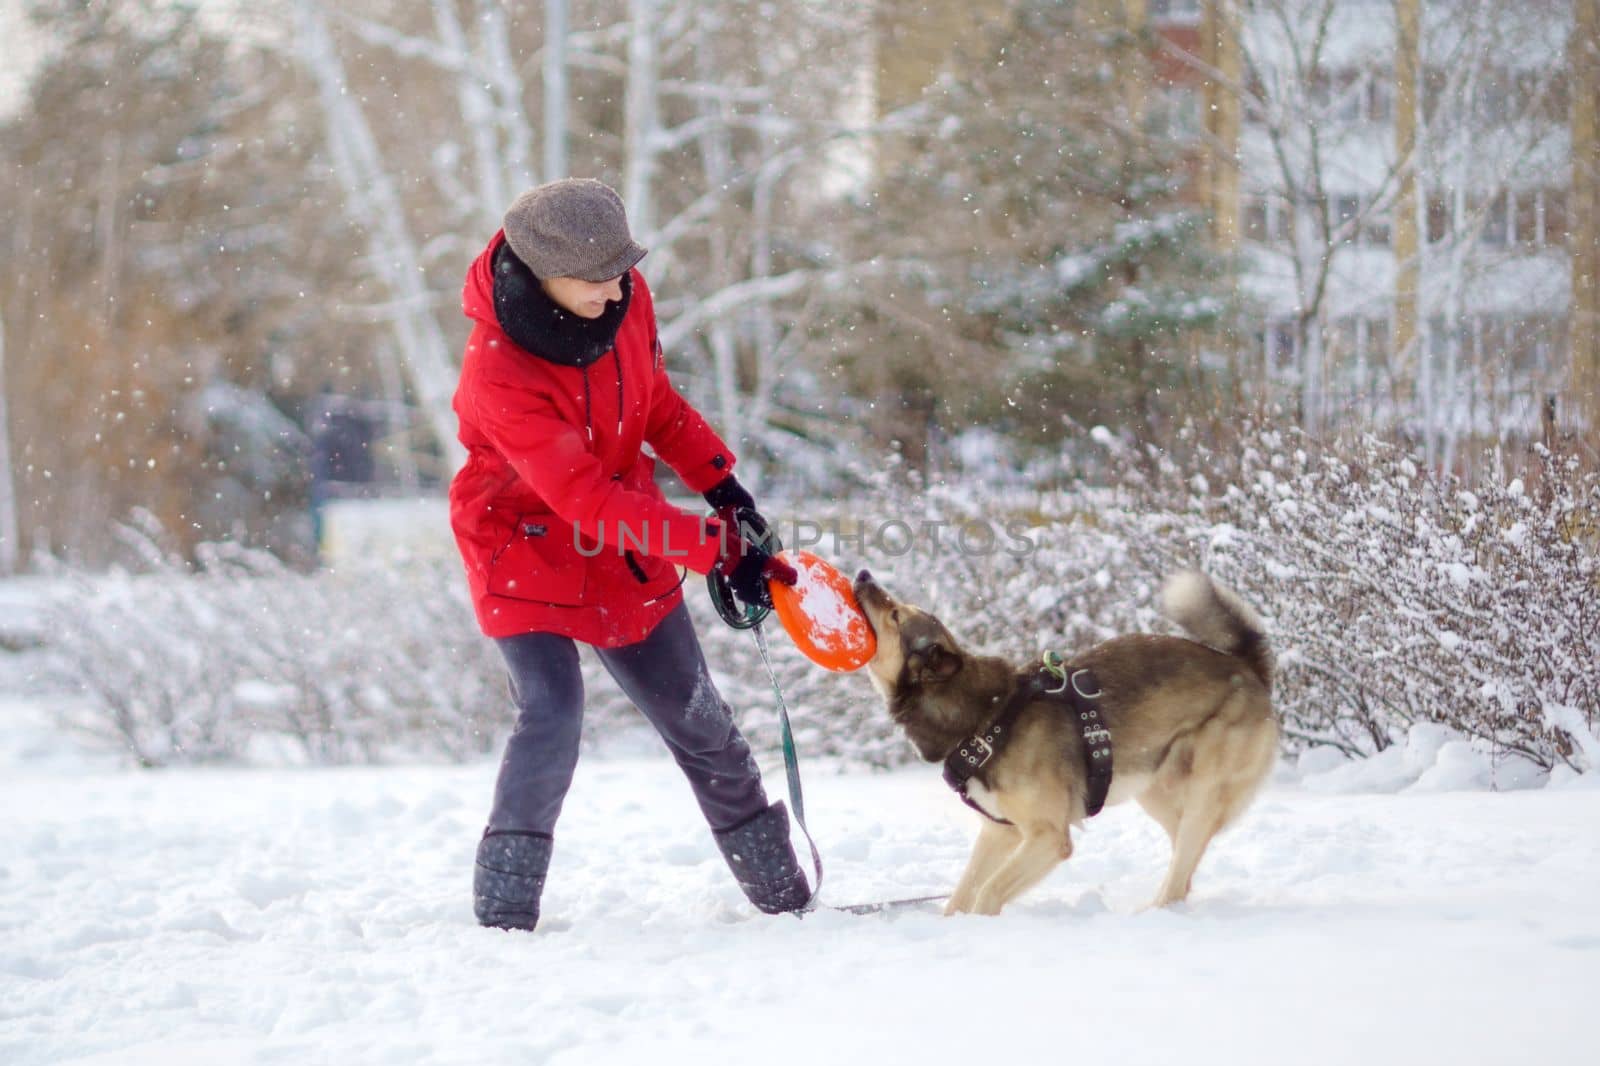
x,y
791,765
750,616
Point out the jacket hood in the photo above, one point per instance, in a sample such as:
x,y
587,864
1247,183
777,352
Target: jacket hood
x,y
477,295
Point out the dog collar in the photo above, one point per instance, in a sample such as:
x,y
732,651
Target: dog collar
x,y
1076,689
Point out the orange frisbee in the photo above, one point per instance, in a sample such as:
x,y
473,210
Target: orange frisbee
x,y
821,615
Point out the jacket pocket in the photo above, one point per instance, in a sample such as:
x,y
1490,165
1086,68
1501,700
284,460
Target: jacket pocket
x,y
656,577
641,477
539,563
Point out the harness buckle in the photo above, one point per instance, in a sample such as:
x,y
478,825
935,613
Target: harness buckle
x,y
982,743
1053,665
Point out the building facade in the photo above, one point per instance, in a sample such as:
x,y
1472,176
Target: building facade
x,y
1414,187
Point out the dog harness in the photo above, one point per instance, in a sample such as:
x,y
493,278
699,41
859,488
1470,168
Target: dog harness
x,y
1078,692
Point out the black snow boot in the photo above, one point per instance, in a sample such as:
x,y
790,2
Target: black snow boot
x,y
509,878
763,862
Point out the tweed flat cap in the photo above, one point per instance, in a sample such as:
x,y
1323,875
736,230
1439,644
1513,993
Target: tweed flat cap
x,y
572,228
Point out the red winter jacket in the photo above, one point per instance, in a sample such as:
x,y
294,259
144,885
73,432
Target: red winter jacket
x,y
556,512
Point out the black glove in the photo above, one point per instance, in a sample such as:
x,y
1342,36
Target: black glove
x,y
728,497
729,493
746,565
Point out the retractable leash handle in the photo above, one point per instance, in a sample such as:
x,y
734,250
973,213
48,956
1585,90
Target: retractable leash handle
x,y
729,609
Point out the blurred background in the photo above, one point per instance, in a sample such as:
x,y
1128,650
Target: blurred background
x,y
952,231
1299,291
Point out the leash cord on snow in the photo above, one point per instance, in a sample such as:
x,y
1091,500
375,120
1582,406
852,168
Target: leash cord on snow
x,y
750,616
791,765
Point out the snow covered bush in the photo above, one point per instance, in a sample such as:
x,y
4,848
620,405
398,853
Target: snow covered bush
x,y
240,657
1394,597
1400,596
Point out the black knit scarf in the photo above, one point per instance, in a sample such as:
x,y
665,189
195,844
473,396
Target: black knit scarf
x,y
542,328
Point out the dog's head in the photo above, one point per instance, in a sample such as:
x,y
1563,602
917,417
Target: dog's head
x,y
914,647
922,673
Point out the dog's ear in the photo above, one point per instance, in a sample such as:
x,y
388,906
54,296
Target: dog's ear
x,y
931,663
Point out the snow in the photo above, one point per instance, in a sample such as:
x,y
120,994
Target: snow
x,y
1433,758
264,916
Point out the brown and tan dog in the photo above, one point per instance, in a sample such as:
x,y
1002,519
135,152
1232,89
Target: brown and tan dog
x,y
1191,723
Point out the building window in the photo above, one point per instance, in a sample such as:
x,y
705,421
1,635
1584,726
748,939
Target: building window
x,y
1265,220
1357,353
1254,218
1529,218
1525,217
1441,218
1380,98
1173,10
1496,99
1434,83
1496,220
1353,95
1375,230
1555,99
1280,348
1269,220
1517,346
1333,94
1346,209
1497,96
1377,345
1175,114
1342,340
1553,209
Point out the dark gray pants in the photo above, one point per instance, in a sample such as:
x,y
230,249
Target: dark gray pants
x,y
666,678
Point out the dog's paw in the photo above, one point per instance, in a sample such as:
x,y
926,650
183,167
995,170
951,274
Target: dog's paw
x,y
987,903
1171,904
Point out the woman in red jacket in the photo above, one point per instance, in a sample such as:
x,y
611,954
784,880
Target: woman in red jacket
x,y
566,538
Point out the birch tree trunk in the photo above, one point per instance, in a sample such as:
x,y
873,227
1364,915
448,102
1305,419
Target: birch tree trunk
x,y
479,116
375,202
510,115
765,322
641,121
716,154
555,89
10,528
1311,258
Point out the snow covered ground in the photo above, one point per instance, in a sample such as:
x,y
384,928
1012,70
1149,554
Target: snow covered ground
x,y
322,916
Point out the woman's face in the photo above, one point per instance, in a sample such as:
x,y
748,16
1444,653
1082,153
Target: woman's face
x,y
586,299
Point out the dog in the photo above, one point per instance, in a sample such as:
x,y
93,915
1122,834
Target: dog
x,y
1193,733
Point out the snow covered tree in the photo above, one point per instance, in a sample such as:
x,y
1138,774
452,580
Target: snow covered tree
x,y
1061,269
716,130
161,257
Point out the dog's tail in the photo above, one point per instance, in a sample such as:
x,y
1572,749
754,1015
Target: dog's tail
x,y
1216,616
